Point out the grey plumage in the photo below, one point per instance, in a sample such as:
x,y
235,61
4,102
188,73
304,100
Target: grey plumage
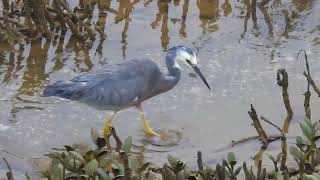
x,y
118,86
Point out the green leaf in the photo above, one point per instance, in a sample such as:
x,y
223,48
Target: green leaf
x,y
134,164
172,161
295,152
307,130
308,121
102,174
77,156
311,177
299,141
104,162
231,158
91,167
275,174
270,157
89,155
167,173
72,164
180,176
56,170
127,144
117,168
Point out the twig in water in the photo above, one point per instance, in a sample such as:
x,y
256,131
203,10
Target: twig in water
x,y
259,170
257,125
199,160
307,94
284,152
284,149
308,76
27,176
313,84
258,156
116,137
271,123
9,174
283,82
262,135
13,154
243,140
307,65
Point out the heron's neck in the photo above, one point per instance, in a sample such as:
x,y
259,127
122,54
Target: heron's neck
x,y
168,81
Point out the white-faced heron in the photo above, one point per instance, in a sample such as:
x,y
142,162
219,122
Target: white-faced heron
x,y
119,86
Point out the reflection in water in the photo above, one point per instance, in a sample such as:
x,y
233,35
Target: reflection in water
x,y
81,54
246,18
227,8
290,16
58,58
26,66
208,14
302,5
162,15
183,26
34,75
29,60
125,9
267,18
32,58
103,7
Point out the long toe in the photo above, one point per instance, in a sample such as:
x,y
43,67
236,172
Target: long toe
x,y
150,132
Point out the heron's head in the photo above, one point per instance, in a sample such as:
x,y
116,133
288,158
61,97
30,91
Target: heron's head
x,y
189,57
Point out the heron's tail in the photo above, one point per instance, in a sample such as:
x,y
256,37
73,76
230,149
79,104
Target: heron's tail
x,y
64,89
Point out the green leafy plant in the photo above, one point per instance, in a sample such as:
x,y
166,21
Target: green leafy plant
x,y
101,162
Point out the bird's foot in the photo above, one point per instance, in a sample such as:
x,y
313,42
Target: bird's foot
x,y
148,131
168,138
107,128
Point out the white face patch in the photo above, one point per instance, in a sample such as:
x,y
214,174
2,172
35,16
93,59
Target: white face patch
x,y
184,56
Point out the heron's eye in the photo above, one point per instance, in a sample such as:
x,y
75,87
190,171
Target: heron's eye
x,y
188,61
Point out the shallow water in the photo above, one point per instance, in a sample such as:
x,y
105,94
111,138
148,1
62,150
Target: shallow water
x,y
241,49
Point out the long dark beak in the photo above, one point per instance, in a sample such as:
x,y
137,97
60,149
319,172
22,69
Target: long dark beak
x,y
197,70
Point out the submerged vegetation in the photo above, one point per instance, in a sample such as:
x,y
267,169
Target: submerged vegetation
x,y
124,160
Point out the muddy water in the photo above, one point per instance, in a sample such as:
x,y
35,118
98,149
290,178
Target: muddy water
x,y
241,47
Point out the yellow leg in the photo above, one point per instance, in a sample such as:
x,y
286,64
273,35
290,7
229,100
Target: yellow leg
x,y
107,125
147,129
